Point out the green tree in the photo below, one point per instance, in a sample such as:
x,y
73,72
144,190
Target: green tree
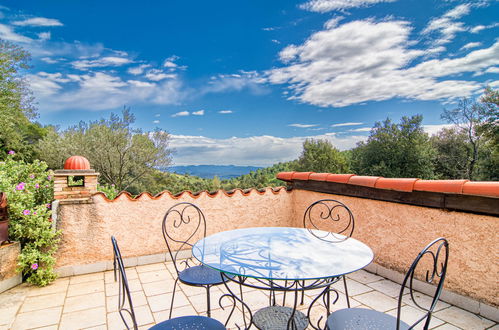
x,y
321,156
396,150
453,152
121,154
17,131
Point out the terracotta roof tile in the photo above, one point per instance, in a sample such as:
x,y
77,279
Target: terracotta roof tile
x,y
340,178
481,188
318,176
301,175
442,186
405,184
285,176
368,181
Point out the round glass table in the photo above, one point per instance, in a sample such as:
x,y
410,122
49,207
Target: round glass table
x,y
283,259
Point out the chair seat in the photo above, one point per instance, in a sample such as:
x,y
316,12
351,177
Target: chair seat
x,y
362,319
190,322
200,275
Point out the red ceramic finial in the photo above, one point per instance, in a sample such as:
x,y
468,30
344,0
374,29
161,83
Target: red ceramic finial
x,y
77,163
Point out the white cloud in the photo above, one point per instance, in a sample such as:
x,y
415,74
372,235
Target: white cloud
x,y
157,115
346,124
302,125
471,45
181,114
99,91
244,80
323,6
108,61
156,121
362,61
7,33
361,129
492,70
446,26
198,113
138,69
39,21
225,112
170,62
479,28
433,129
158,75
44,36
49,60
276,41
256,150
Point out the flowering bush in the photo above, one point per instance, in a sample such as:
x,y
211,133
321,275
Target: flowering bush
x,y
109,190
29,190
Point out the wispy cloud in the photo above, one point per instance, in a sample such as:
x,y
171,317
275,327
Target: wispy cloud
x,y
38,21
302,125
225,112
156,121
158,75
7,33
323,6
446,27
471,45
181,114
138,69
108,61
361,129
346,124
479,28
198,113
244,80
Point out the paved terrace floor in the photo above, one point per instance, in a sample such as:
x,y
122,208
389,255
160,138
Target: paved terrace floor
x,y
90,302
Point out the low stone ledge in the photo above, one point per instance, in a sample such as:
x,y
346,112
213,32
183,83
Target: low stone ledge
x,y
9,254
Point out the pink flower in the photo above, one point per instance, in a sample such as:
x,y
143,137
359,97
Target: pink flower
x,y
49,178
48,205
37,186
34,266
20,186
12,152
34,213
26,212
32,176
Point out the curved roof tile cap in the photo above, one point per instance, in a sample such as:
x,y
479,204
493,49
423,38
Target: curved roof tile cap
x,y
489,188
76,163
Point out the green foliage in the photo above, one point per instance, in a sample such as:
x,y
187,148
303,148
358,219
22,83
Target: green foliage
x,y
17,132
121,154
322,157
453,153
29,190
396,150
109,190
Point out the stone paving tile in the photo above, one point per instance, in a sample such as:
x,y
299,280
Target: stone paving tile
x,y
86,278
36,319
354,287
163,301
41,302
410,315
423,300
364,277
85,288
463,319
159,287
149,268
138,299
447,326
113,288
377,301
8,315
87,301
182,311
388,287
154,276
83,319
59,285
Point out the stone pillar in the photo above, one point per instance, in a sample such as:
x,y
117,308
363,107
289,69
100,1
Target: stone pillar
x,y
9,254
64,191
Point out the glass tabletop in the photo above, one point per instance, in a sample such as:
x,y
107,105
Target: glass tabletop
x,y
282,253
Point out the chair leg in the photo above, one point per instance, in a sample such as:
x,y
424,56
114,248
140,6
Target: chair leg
x,y
302,292
173,297
346,290
208,303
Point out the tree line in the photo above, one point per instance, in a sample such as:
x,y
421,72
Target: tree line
x,y
128,158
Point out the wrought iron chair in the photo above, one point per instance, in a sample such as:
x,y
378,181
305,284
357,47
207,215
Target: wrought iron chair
x,y
186,220
333,217
435,270
125,305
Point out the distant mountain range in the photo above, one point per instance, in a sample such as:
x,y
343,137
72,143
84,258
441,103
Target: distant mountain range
x,y
209,171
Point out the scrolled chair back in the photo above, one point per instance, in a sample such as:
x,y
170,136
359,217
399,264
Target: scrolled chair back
x,y
183,224
330,216
125,305
430,266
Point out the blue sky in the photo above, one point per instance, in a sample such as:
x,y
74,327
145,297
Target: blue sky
x,y
245,82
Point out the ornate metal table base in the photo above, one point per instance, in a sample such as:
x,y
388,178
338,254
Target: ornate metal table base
x,y
278,318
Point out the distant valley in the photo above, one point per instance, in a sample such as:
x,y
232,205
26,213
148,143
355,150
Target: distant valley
x,y
210,171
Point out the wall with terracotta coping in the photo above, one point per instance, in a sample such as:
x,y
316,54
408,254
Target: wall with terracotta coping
x,y
136,223
397,232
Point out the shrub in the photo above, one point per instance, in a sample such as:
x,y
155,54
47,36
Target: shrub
x,y
29,190
109,190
